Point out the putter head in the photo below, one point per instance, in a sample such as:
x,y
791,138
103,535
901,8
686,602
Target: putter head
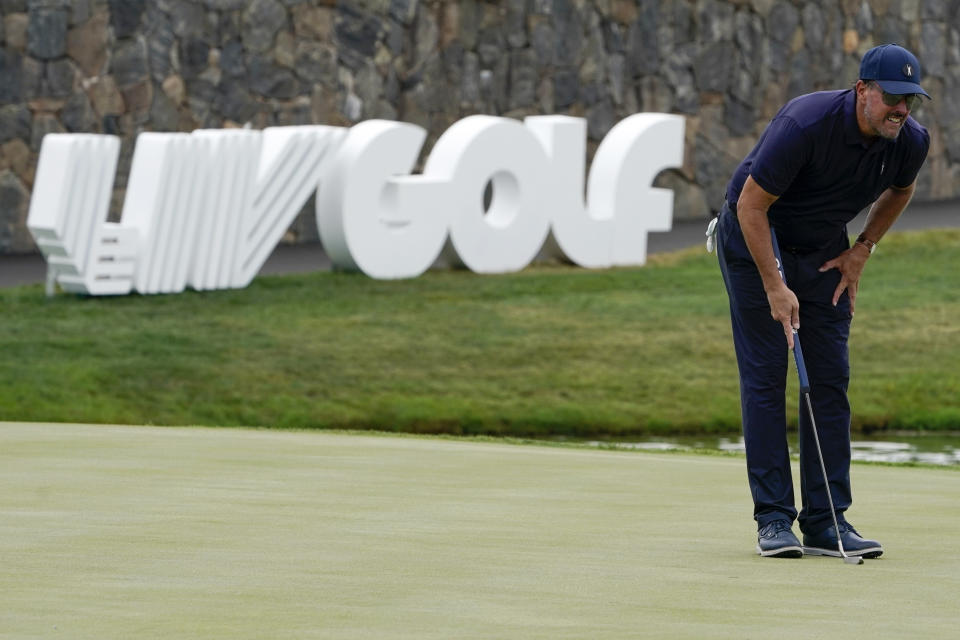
x,y
853,559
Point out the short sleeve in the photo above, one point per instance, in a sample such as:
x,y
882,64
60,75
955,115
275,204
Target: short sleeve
x,y
782,152
913,160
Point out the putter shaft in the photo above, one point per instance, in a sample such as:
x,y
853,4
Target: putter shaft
x,y
823,467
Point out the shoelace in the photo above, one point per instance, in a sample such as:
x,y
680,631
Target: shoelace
x,y
774,528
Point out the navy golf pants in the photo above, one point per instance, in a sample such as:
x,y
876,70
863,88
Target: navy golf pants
x,y
762,358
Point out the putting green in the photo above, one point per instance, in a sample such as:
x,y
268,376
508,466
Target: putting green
x,y
141,532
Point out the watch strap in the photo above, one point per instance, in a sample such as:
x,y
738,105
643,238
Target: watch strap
x,y
867,242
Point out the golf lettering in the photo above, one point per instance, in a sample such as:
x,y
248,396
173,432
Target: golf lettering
x,y
205,209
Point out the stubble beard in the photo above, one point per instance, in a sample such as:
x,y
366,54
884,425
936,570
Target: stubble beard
x,y
879,127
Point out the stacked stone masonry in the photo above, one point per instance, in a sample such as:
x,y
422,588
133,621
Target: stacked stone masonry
x,y
126,66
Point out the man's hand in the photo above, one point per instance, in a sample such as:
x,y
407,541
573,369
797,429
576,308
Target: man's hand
x,y
881,216
785,309
850,263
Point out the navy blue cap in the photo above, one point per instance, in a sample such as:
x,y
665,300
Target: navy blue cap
x,y
894,68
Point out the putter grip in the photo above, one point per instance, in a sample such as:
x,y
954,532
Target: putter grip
x,y
797,351
801,367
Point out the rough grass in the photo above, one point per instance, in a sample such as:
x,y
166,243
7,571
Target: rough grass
x,y
552,350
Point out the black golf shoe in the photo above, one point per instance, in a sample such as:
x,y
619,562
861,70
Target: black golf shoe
x,y
776,540
825,543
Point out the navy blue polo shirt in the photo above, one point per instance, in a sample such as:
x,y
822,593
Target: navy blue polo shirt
x,y
813,156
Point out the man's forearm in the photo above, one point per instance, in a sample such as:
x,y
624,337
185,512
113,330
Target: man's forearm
x,y
752,208
885,211
756,233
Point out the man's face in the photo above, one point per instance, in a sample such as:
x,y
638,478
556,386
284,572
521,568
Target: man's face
x,y
877,117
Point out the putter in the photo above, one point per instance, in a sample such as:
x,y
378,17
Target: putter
x,y
805,390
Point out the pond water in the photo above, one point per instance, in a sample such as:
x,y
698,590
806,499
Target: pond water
x,y
940,449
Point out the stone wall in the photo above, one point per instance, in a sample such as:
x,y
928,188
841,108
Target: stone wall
x,y
126,66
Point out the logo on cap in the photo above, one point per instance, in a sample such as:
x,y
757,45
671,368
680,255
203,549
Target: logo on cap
x,y
908,70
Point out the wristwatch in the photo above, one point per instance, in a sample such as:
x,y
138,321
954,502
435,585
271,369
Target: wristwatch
x,y
867,242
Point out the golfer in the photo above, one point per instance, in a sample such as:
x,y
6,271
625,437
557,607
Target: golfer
x,y
821,160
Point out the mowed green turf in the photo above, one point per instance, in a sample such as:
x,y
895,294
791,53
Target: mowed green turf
x,y
143,532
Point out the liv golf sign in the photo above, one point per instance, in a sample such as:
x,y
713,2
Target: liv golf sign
x,y
205,209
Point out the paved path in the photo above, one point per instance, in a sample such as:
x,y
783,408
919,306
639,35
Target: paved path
x,y
31,269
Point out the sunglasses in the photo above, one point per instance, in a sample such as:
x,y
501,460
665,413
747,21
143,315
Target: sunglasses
x,y
893,99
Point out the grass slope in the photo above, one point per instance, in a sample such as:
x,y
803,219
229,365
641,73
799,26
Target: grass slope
x,y
114,532
550,350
